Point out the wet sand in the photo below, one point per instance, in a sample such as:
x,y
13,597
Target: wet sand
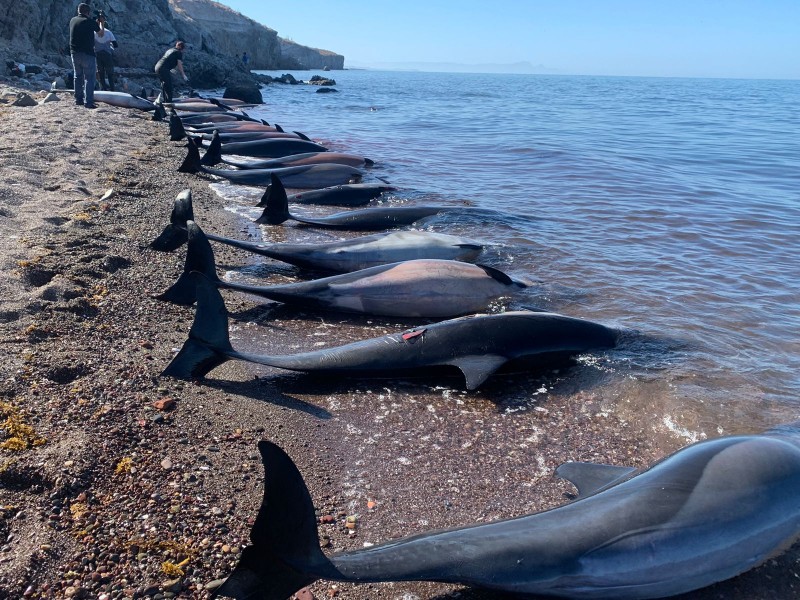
x,y
129,484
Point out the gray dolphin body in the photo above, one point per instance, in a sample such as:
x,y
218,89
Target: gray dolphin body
x,y
478,345
268,148
340,257
349,194
227,116
302,176
276,212
704,514
124,100
415,288
306,158
246,136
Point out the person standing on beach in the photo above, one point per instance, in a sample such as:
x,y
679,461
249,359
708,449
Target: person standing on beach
x,y
172,59
104,45
81,48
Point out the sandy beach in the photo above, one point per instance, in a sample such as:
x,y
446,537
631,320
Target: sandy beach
x,y
116,482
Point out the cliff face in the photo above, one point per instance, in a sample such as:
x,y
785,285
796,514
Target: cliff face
x,y
219,29
295,56
36,32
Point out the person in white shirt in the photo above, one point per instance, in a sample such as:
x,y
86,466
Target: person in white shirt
x,y
104,45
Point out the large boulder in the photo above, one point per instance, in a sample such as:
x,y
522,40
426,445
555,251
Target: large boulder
x,y
246,92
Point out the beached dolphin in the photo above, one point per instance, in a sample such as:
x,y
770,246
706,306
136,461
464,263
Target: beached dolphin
x,y
216,117
309,176
306,158
706,513
300,177
230,127
246,136
276,211
269,148
124,100
415,288
477,345
178,127
350,194
341,256
196,106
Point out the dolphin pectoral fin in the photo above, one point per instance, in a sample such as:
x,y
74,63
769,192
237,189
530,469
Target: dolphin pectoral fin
x,y
592,477
477,369
496,274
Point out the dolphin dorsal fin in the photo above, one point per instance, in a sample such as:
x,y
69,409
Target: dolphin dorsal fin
x,y
592,477
478,368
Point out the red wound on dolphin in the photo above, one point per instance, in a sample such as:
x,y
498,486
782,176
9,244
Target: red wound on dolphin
x,y
413,335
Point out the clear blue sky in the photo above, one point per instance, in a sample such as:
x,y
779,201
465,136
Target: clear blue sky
x,y
691,38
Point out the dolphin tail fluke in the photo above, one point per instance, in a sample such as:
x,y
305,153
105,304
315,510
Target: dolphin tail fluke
x,y
208,345
159,114
265,198
284,556
277,204
174,235
200,259
176,129
190,164
213,155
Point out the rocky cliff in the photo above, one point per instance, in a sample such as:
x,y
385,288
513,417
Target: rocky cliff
x,y
35,32
295,56
219,29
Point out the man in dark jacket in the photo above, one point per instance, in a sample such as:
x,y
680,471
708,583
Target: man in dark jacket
x,y
172,59
81,47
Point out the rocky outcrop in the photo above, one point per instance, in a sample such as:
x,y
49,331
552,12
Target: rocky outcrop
x,y
35,32
295,56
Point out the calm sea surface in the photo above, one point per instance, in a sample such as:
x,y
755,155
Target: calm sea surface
x,y
669,208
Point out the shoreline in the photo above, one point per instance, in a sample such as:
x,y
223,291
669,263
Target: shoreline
x,y
129,479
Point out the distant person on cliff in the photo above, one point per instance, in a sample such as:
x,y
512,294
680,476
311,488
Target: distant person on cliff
x,y
104,45
81,48
245,59
172,59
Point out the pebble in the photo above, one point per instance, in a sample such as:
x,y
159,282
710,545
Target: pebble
x,y
166,464
212,585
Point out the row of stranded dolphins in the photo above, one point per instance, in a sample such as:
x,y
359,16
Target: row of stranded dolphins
x,y
708,512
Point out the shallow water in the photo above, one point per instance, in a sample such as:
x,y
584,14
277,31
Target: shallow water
x,y
668,208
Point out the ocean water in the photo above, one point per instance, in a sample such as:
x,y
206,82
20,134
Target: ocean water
x,y
669,208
